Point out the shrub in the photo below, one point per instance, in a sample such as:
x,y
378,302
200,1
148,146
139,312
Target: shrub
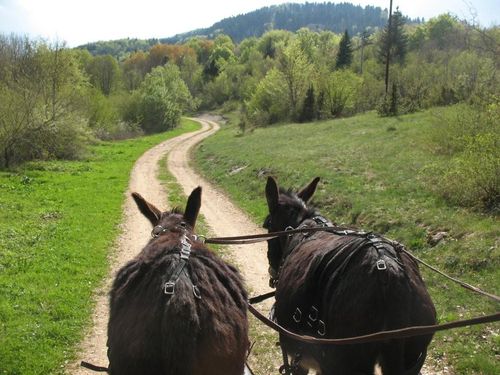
x,y
341,89
163,98
269,103
471,138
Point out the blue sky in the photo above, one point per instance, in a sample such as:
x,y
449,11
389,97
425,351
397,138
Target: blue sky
x,y
81,21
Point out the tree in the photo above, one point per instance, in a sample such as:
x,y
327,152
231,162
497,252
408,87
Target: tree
x,y
164,96
269,103
308,109
364,41
393,40
134,70
104,73
297,72
344,57
41,88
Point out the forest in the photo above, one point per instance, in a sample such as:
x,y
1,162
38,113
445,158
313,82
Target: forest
x,y
55,100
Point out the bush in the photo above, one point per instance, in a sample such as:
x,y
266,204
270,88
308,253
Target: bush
x,y
471,138
340,89
40,102
389,104
269,103
163,98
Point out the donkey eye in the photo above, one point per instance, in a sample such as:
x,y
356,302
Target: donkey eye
x,y
183,224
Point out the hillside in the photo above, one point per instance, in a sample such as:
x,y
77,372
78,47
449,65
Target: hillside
x,y
316,16
375,176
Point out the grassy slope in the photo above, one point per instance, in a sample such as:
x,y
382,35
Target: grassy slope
x,y
58,221
373,177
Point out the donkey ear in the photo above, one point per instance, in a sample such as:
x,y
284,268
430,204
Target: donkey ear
x,y
193,207
147,209
306,193
272,193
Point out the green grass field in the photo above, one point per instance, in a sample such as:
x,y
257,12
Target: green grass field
x,y
58,223
373,174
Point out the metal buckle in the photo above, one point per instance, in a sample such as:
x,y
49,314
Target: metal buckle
x,y
381,265
196,292
200,237
322,328
313,314
185,249
289,228
157,230
297,315
169,287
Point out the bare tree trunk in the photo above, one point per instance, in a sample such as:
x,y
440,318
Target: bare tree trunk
x,y
388,56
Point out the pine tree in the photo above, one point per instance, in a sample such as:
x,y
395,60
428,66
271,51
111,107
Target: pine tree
x,y
394,41
344,57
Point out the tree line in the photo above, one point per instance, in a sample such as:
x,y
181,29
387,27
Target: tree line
x,y
54,100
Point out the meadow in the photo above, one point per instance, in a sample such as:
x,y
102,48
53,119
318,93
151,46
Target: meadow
x,y
58,225
375,176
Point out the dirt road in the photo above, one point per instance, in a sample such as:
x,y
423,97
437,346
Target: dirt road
x,y
223,218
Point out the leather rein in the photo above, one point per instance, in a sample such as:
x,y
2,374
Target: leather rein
x,y
378,336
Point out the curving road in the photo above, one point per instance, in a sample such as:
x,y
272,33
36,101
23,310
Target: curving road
x,y
223,218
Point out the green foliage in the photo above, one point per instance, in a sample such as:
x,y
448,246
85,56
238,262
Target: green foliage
x,y
471,135
389,105
272,41
120,48
163,98
58,223
344,56
308,108
222,55
41,90
269,104
393,40
340,90
113,117
292,17
372,178
104,73
297,72
443,31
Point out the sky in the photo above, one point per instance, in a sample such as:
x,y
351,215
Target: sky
x,y
81,21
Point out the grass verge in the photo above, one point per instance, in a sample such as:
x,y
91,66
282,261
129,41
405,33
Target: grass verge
x,y
374,177
58,221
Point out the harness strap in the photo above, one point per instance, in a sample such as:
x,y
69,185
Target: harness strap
x,y
185,252
92,367
378,336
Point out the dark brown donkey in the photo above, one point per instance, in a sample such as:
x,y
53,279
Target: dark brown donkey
x,y
177,309
340,283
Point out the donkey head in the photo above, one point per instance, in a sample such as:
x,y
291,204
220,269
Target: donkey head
x,y
286,209
173,220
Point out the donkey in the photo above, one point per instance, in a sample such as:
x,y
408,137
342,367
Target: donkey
x,y
177,308
340,283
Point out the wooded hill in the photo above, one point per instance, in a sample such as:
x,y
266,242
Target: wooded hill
x,y
315,16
